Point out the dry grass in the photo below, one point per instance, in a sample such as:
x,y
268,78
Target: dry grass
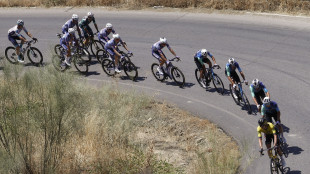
x,y
289,6
62,125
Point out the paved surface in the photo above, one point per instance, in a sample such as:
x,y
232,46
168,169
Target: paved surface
x,y
273,49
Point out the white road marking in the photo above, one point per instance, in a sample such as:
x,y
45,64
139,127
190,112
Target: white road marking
x,y
281,15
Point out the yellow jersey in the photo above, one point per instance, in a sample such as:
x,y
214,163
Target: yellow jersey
x,y
269,130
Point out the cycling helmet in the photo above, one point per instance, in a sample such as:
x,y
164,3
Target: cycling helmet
x,y
204,52
116,36
71,30
262,121
231,60
75,17
90,14
266,100
255,83
20,22
109,26
163,40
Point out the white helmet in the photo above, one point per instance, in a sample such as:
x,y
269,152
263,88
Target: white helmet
x,y
71,30
163,40
90,14
266,100
204,52
75,17
20,22
255,83
231,60
116,36
109,26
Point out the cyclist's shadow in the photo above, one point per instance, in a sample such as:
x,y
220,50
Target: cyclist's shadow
x,y
288,171
186,84
294,150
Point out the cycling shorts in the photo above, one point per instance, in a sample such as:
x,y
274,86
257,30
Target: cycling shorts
x,y
270,116
234,76
85,33
204,60
13,40
156,54
259,96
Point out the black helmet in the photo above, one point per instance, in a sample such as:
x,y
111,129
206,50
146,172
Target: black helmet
x,y
262,121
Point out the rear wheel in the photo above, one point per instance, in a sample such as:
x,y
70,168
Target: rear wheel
x,y
273,167
218,84
58,63
58,49
178,76
108,67
35,56
246,103
11,56
130,70
101,54
197,75
156,74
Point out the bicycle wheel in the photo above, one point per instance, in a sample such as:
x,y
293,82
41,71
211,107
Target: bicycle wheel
x,y
156,74
231,93
84,55
35,56
130,70
58,49
197,74
246,103
101,54
11,56
284,148
178,76
273,167
218,84
108,67
58,63
95,46
80,64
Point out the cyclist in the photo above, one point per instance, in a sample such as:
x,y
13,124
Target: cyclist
x,y
14,34
159,55
271,135
258,92
66,42
70,24
84,25
104,33
112,48
200,58
230,72
271,110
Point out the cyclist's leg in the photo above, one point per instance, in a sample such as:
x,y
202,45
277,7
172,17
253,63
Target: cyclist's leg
x,y
85,33
200,67
234,76
13,39
207,61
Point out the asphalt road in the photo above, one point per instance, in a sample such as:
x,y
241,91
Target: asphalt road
x,y
271,48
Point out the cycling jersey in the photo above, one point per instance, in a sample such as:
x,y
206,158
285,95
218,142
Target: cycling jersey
x,y
156,49
269,131
67,25
111,45
66,38
16,32
260,87
200,57
104,33
271,110
85,22
229,69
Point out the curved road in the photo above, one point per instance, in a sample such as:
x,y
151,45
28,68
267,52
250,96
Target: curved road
x,y
271,48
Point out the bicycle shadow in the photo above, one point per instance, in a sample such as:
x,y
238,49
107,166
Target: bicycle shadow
x,y
186,84
138,79
295,150
287,170
91,73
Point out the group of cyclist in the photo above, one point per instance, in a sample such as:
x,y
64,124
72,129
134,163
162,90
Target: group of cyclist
x,y
261,97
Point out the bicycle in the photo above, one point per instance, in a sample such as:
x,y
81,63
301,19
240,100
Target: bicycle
x,y
108,66
79,59
275,164
170,71
210,76
93,44
33,54
241,97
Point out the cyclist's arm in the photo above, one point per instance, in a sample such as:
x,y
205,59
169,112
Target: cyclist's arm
x,y
172,52
253,94
116,52
212,57
278,116
259,133
275,139
263,110
78,29
242,75
95,25
260,142
125,46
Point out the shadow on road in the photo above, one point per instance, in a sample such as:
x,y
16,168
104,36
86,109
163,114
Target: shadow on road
x,y
186,85
138,79
90,73
294,150
287,170
285,129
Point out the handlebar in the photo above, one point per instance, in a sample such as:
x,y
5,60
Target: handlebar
x,y
175,58
272,148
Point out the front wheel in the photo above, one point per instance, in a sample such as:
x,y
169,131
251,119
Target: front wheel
x,y
101,54
237,101
58,49
246,103
10,55
218,84
58,63
84,54
202,82
35,56
80,64
95,46
155,72
178,76
130,70
273,167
